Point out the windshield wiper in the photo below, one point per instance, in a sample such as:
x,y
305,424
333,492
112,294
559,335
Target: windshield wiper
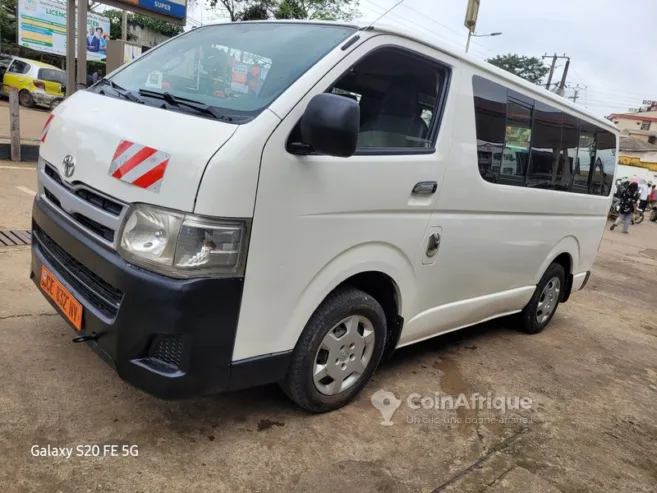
x,y
119,90
189,103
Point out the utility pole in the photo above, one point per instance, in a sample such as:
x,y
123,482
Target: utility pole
x,y
82,44
576,91
70,47
562,84
124,26
554,62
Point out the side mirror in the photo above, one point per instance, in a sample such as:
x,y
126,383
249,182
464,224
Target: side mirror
x,y
330,125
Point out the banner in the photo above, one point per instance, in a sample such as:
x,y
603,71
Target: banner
x,y
42,27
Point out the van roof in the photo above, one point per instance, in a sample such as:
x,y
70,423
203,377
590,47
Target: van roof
x,y
435,42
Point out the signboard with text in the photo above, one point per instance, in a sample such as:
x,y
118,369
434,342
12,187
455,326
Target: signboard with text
x,y
42,27
171,9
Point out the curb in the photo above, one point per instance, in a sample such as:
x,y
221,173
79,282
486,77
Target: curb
x,y
29,152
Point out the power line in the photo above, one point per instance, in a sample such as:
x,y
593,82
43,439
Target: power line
x,y
437,34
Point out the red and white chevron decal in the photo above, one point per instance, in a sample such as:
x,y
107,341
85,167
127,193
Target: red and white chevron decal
x,y
44,132
139,165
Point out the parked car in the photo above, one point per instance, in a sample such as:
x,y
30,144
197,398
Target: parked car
x,y
38,83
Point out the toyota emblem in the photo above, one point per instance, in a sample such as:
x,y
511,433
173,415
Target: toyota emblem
x,y
69,166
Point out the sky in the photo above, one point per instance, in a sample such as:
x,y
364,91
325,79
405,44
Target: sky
x,y
612,44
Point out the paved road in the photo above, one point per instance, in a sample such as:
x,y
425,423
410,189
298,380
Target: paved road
x,y
591,377
32,122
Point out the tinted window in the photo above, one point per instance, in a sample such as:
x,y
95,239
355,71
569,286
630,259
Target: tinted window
x,y
490,119
543,147
18,67
568,155
605,162
52,75
398,93
585,157
545,166
518,137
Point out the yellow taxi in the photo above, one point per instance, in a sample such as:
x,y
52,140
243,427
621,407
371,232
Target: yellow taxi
x,y
38,83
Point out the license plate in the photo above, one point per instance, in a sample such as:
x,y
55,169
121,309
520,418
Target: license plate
x,y
70,307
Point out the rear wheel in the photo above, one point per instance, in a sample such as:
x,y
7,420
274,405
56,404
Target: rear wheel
x,y
26,99
653,215
338,351
540,309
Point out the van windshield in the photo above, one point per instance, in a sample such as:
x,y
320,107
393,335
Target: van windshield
x,y
238,68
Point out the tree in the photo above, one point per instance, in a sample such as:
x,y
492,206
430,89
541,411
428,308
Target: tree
x,y
243,10
529,68
8,27
162,27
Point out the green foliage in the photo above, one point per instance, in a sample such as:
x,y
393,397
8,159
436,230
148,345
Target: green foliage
x,y
8,26
239,10
162,27
529,68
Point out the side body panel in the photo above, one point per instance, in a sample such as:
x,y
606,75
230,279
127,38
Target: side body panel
x,y
319,220
497,240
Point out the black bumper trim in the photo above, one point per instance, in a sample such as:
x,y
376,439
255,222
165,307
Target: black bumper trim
x,y
204,312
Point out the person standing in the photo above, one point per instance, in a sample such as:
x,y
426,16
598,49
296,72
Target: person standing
x,y
653,196
98,75
628,199
644,190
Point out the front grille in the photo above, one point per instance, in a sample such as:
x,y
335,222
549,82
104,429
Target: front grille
x,y
99,229
90,224
93,198
100,202
168,350
97,292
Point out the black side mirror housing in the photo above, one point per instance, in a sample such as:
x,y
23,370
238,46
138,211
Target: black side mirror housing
x,y
330,125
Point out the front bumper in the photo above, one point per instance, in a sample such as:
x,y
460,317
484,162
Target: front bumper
x,y
172,338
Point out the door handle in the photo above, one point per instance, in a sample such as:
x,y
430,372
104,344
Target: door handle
x,y
425,188
433,244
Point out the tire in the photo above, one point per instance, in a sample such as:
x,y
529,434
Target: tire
x,y
55,103
529,318
653,215
638,218
26,99
345,304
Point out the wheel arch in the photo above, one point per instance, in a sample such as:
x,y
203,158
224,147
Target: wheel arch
x,y
565,253
379,269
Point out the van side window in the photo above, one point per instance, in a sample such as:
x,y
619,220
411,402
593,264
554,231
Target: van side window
x,y
490,111
517,141
546,165
585,157
399,94
543,147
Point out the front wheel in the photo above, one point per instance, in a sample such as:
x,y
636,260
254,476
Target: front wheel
x,y
540,309
338,351
653,215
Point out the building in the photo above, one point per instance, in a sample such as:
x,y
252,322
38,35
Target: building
x,y
643,119
637,158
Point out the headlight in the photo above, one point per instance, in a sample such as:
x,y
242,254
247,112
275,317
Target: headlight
x,y
179,245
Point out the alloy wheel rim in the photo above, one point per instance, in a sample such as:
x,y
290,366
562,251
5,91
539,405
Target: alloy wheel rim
x,y
548,300
343,355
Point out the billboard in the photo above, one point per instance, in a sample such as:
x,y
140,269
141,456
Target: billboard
x,y
42,27
170,10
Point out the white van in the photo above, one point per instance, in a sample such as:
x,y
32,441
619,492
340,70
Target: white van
x,y
290,201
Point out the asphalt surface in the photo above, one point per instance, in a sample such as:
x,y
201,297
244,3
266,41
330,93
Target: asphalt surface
x,y
591,426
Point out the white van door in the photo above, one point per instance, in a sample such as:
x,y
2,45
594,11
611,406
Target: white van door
x,y
319,220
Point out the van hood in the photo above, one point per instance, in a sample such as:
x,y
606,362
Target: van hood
x,y
134,152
